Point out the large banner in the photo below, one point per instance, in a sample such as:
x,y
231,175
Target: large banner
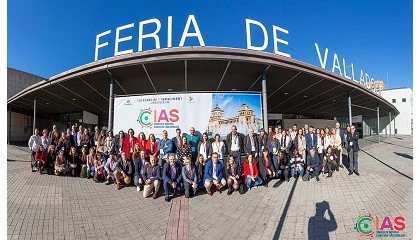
x,y
206,112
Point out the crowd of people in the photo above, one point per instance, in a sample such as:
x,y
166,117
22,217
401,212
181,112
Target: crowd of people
x,y
187,163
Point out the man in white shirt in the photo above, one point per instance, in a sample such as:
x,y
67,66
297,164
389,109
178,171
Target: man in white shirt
x,y
234,144
34,143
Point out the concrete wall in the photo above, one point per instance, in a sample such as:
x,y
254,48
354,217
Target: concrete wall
x,y
403,122
18,80
317,123
20,127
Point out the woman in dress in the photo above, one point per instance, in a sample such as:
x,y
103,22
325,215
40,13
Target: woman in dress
x,y
184,151
152,146
219,147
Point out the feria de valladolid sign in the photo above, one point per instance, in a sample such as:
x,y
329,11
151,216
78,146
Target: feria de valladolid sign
x,y
279,35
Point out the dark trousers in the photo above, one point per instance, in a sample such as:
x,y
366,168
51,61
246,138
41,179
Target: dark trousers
x,y
167,186
188,188
353,160
315,171
33,159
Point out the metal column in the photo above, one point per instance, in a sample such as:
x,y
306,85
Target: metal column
x,y
264,100
349,101
111,103
390,121
34,122
377,113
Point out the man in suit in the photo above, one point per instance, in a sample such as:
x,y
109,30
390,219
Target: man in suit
x,y
353,150
172,177
235,145
314,163
340,132
177,141
213,174
123,170
311,140
251,144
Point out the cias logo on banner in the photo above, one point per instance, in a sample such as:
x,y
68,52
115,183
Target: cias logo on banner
x,y
163,117
367,226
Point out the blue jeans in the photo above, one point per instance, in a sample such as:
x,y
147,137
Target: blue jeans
x,y
250,183
296,169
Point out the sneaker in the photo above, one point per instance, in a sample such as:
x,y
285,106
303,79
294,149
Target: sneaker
x,y
249,189
138,188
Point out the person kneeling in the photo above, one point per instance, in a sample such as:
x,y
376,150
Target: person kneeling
x,y
282,166
189,176
251,173
172,178
266,167
109,169
151,174
329,162
123,171
314,164
297,164
213,174
60,164
232,175
40,159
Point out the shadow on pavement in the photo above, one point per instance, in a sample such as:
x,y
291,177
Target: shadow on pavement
x,y
318,225
286,208
404,155
382,141
377,159
278,183
14,160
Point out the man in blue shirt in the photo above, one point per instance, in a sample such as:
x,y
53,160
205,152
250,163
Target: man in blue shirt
x,y
165,147
213,174
193,141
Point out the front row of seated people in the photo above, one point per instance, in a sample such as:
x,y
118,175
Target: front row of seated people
x,y
148,175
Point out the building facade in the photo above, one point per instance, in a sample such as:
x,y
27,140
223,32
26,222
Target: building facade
x,y
402,99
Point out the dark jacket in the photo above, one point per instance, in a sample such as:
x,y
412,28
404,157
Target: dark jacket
x,y
167,176
308,139
228,172
353,139
262,142
151,172
262,167
209,149
248,145
239,139
126,168
116,144
208,171
175,143
139,167
314,162
65,145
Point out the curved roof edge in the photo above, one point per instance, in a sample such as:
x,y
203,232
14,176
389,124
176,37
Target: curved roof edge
x,y
197,53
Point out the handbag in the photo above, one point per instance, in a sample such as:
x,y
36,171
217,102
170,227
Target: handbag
x,y
242,188
306,177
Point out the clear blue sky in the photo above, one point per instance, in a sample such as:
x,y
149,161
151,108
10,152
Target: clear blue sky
x,y
48,37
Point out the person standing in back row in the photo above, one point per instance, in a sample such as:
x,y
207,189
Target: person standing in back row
x,y
234,144
353,150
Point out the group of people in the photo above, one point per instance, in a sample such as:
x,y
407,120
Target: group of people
x,y
189,162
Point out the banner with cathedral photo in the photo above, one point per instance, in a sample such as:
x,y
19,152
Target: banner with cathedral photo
x,y
206,112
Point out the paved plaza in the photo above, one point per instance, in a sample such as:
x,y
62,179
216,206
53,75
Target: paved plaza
x,y
51,207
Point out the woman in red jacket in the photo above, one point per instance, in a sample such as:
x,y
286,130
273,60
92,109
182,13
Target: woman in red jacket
x,y
142,141
40,158
152,146
251,173
128,145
